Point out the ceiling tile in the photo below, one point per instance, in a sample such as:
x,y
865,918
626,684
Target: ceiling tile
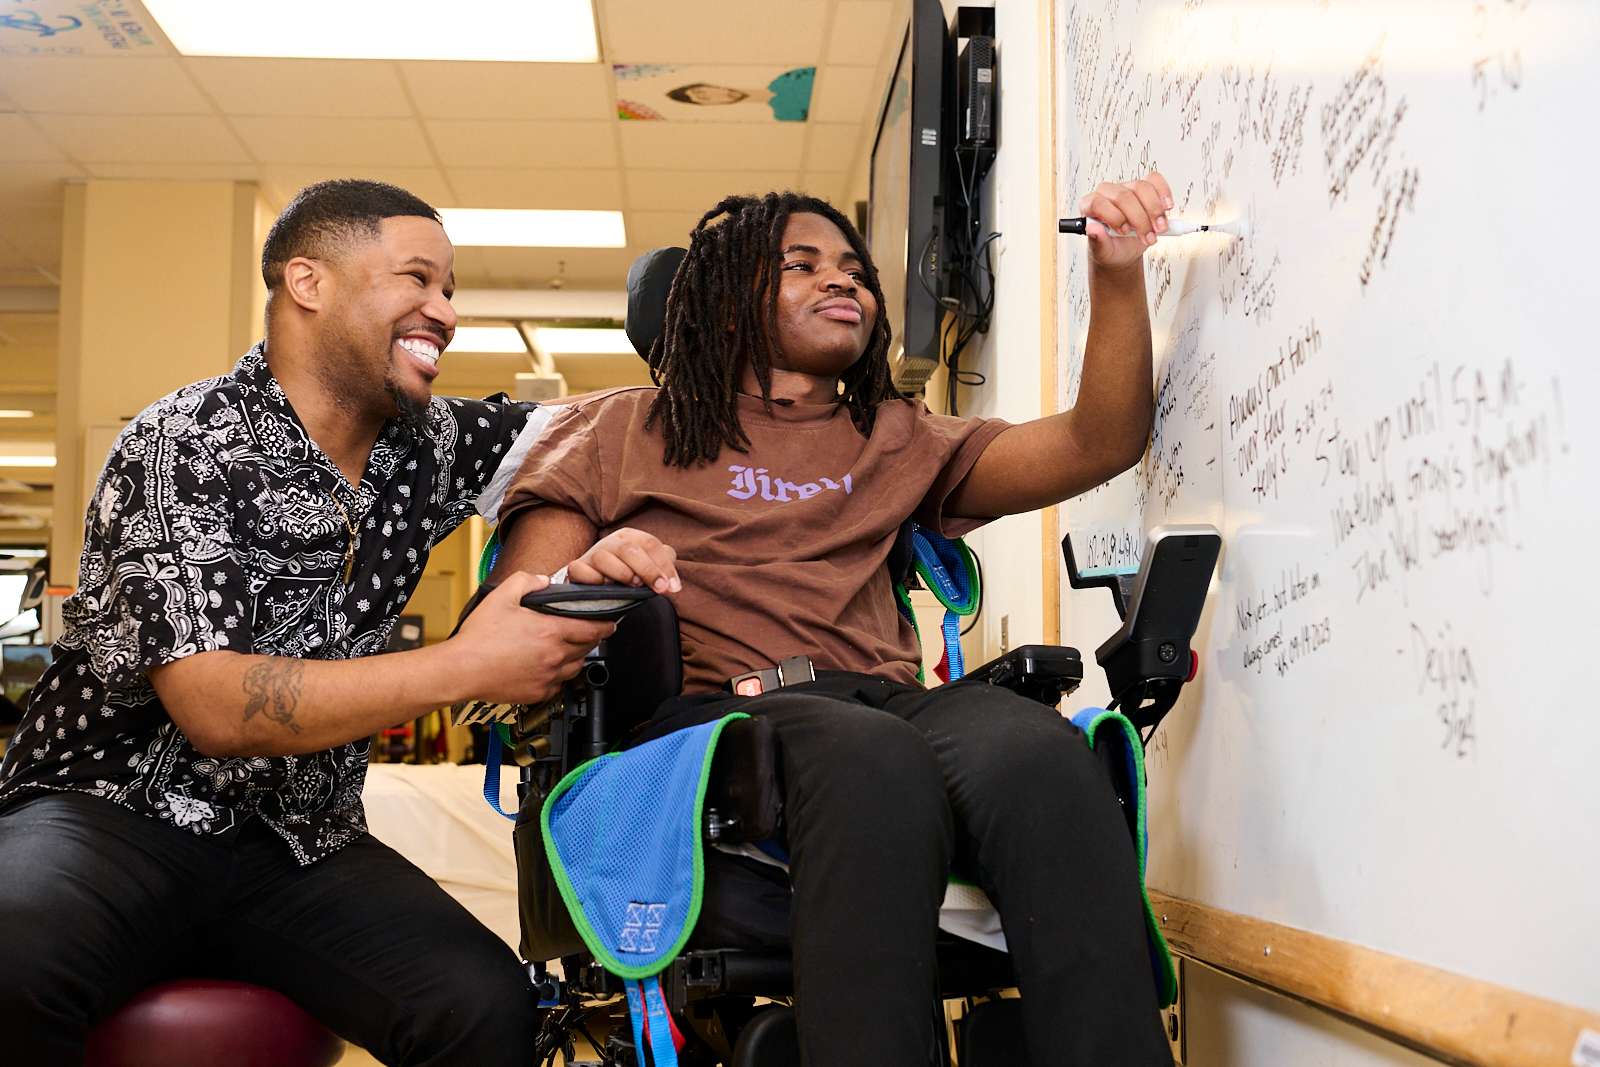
x,y
176,172
20,142
696,190
681,146
835,146
83,85
527,187
426,182
331,88
545,91
463,143
846,94
26,183
644,90
343,142
654,229
829,185
146,139
713,31
863,31
579,268
471,270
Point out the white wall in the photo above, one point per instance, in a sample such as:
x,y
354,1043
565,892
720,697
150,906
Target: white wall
x,y
1229,1023
1009,355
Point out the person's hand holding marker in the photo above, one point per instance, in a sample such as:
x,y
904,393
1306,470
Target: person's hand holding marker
x,y
1122,219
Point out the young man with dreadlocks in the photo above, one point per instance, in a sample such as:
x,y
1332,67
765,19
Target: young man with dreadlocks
x,y
778,460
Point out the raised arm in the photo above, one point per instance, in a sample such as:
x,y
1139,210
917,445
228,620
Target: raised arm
x,y
233,704
1039,463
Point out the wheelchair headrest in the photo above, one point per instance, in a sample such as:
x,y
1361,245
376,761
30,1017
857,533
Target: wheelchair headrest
x,y
649,282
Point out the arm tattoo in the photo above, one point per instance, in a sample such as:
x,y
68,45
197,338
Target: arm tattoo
x,y
273,687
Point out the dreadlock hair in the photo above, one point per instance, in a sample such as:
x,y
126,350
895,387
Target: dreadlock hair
x,y
722,311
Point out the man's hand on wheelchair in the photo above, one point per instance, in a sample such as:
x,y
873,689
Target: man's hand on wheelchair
x,y
628,557
517,656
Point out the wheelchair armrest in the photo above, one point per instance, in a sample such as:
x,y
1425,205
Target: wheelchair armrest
x,y
1044,673
744,801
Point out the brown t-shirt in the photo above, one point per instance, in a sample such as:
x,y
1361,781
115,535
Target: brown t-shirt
x,y
781,550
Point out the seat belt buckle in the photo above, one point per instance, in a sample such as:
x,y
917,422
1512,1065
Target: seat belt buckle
x,y
794,670
754,683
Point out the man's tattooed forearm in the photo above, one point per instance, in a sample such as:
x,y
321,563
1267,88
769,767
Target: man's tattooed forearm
x,y
273,688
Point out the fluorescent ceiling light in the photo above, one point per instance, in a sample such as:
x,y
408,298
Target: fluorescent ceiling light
x,y
27,454
548,31
473,227
23,553
487,339
566,341
15,413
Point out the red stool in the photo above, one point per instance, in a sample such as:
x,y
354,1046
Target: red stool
x,y
204,1023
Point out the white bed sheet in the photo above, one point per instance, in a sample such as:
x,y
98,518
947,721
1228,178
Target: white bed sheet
x,y
435,816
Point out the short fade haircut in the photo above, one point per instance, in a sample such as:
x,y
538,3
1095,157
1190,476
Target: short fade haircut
x,y
324,218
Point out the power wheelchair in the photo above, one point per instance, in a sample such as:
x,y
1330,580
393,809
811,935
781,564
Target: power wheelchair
x,y
732,1003
734,1000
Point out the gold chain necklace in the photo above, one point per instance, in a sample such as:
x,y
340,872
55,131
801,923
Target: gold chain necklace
x,y
350,546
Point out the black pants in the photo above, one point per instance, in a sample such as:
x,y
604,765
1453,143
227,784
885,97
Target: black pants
x,y
886,789
97,903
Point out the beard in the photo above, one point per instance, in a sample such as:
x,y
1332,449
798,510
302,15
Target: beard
x,y
411,414
368,381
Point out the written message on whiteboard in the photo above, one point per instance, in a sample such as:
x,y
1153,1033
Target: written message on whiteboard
x,y
1382,395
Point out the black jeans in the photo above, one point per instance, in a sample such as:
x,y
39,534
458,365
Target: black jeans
x,y
887,788
97,903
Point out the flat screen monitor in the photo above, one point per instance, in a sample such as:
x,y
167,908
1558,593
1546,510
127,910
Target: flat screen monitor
x,y
905,219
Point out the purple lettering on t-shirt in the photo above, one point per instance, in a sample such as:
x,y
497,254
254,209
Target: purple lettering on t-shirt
x,y
751,481
744,483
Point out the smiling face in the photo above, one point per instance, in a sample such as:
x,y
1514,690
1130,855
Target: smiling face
x,y
390,318
825,310
712,95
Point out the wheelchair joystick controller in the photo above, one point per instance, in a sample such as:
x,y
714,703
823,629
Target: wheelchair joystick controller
x,y
1149,659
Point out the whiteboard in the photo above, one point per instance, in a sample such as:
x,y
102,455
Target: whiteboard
x,y
1379,397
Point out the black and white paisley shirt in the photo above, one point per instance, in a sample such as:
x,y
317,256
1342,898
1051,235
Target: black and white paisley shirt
x,y
214,526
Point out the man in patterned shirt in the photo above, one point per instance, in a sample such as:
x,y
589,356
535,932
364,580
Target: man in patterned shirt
x,y
184,793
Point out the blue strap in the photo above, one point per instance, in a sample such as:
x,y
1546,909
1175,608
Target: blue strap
x,y
942,562
952,645
943,565
644,998
491,773
636,1017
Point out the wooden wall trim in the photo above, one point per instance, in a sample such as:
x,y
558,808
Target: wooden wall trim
x,y
1447,1016
1049,398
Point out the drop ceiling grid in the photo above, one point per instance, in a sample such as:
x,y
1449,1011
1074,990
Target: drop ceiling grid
x,y
459,134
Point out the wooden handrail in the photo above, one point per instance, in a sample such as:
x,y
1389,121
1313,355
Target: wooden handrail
x,y
1447,1016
